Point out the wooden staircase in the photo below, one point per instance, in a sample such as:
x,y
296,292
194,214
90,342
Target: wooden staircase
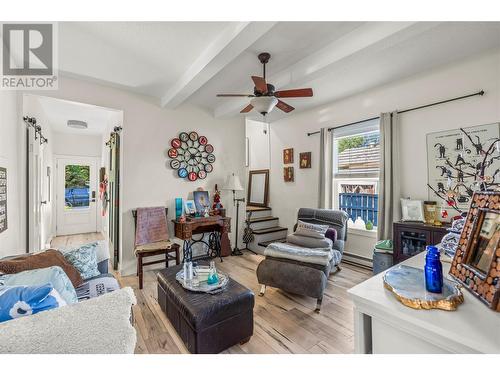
x,y
265,228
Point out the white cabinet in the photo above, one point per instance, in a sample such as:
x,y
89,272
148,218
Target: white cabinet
x,y
384,325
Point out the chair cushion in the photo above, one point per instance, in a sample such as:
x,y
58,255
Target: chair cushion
x,y
19,301
311,230
160,245
309,242
45,259
84,258
54,275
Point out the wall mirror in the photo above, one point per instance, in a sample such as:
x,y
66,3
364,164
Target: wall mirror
x,y
476,264
258,188
484,241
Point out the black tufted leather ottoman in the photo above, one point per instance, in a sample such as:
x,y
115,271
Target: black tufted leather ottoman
x,y
207,323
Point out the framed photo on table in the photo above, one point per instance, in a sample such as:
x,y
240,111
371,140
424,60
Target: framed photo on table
x,y
201,201
412,210
190,207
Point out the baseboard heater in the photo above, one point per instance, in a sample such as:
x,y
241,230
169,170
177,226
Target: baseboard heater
x,y
357,260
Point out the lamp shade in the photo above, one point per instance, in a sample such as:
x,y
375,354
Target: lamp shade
x,y
233,183
264,104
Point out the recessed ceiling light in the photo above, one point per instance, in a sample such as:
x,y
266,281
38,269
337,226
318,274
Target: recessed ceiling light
x,y
77,124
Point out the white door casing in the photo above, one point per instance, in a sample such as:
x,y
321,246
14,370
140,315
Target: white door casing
x,y
78,214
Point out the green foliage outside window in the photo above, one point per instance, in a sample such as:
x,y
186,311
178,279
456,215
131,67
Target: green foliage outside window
x,y
350,142
77,176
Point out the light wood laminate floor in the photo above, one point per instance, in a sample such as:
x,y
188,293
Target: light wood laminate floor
x,y
283,322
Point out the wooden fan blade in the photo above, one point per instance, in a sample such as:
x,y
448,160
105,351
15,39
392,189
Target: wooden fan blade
x,y
284,107
248,108
235,95
260,84
295,93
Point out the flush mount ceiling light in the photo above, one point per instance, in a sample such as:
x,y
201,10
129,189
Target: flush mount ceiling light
x,y
77,124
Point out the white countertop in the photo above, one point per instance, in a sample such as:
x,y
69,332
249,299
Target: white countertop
x,y
472,328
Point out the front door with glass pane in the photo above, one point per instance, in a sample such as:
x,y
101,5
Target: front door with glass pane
x,y
76,195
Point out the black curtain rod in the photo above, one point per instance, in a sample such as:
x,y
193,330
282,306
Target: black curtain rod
x,y
480,93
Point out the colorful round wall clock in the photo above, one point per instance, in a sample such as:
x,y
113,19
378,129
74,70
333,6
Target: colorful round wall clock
x,y
192,156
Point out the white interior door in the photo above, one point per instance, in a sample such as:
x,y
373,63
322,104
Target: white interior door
x,y
35,161
76,195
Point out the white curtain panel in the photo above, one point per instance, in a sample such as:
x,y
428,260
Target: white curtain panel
x,y
389,189
325,169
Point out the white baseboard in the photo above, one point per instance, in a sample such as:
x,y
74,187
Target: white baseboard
x,y
357,260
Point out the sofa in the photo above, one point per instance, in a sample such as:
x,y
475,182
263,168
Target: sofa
x,y
99,319
297,276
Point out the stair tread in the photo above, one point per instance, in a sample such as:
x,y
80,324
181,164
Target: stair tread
x,y
263,218
269,230
256,208
266,243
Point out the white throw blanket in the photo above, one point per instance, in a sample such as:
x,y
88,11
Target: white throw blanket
x,y
96,326
301,254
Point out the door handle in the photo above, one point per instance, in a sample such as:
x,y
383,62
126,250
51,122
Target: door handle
x,y
43,202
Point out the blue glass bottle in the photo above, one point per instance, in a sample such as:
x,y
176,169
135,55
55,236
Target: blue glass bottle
x,y
433,270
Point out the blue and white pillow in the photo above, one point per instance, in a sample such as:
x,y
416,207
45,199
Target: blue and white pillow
x,y
84,259
19,301
54,275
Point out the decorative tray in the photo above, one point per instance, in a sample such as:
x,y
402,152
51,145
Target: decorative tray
x,y
199,282
408,286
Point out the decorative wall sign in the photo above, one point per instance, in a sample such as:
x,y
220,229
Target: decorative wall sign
x,y
288,174
192,156
455,159
305,160
3,199
288,156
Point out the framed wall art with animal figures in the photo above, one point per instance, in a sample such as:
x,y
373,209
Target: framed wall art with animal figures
x,y
455,159
476,264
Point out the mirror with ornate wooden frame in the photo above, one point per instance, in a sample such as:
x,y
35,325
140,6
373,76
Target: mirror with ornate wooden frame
x,y
258,188
476,264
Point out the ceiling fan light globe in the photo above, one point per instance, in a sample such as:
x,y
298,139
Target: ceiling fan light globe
x,y
264,104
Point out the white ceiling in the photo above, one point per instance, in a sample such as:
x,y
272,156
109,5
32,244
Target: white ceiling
x,y
59,111
177,62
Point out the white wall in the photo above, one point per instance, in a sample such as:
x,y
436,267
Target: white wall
x,y
259,148
77,144
12,156
459,79
147,131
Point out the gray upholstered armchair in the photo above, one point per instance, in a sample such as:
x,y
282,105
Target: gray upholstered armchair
x,y
301,277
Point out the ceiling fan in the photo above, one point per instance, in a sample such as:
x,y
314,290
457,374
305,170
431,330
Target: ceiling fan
x,y
265,98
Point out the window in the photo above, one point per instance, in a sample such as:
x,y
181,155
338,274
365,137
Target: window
x,y
77,182
356,162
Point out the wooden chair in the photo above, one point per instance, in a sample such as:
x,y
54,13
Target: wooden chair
x,y
153,249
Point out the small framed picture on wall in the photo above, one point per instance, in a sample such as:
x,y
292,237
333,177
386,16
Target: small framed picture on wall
x,y
305,160
288,174
288,156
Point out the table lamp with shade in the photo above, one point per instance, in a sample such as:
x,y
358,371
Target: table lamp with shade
x,y
233,183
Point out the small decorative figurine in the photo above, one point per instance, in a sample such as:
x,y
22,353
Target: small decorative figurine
x,y
217,204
